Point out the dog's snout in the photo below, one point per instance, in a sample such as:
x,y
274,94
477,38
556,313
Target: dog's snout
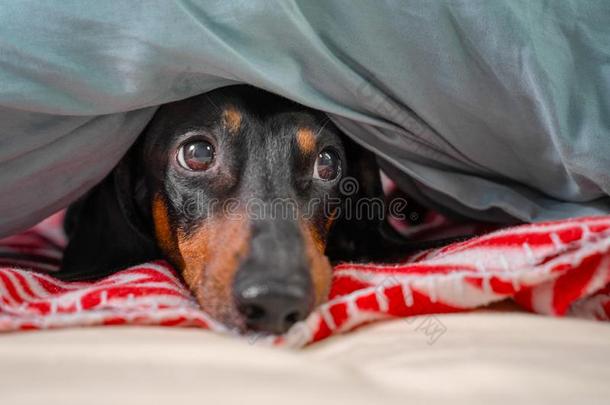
x,y
273,288
273,307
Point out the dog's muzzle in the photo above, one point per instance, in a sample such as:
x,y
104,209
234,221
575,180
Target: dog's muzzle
x,y
273,288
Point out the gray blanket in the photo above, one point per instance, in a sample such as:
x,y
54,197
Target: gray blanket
x,y
498,110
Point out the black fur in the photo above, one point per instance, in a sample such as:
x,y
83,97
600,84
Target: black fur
x,y
111,227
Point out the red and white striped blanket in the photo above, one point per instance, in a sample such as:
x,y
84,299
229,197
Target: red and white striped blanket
x,y
556,268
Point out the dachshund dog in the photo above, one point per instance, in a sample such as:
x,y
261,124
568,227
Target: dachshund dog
x,y
200,188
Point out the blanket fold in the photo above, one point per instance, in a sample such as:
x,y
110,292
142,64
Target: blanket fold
x,y
495,110
557,268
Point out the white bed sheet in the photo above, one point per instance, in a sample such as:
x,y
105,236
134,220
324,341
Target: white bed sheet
x,y
483,357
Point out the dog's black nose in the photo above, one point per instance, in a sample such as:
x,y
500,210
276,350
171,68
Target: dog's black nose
x,y
273,307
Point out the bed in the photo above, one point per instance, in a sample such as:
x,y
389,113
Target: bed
x,y
496,356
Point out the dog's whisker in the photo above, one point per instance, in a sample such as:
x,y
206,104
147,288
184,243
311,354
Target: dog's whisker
x,y
326,121
213,103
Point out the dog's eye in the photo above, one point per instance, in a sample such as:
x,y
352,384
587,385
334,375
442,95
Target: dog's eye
x,y
196,156
327,166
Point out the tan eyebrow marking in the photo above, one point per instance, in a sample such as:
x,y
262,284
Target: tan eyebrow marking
x,y
306,140
231,118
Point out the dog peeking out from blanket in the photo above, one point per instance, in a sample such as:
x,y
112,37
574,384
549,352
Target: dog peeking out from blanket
x,y
241,191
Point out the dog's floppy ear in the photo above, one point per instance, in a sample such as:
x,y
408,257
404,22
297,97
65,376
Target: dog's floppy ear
x,y
107,229
362,233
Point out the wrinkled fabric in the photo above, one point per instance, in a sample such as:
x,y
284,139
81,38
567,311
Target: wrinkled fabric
x,y
490,109
558,269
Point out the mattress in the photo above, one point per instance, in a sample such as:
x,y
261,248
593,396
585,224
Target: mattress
x,y
492,356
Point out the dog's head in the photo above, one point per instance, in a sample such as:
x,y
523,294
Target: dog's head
x,y
239,189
